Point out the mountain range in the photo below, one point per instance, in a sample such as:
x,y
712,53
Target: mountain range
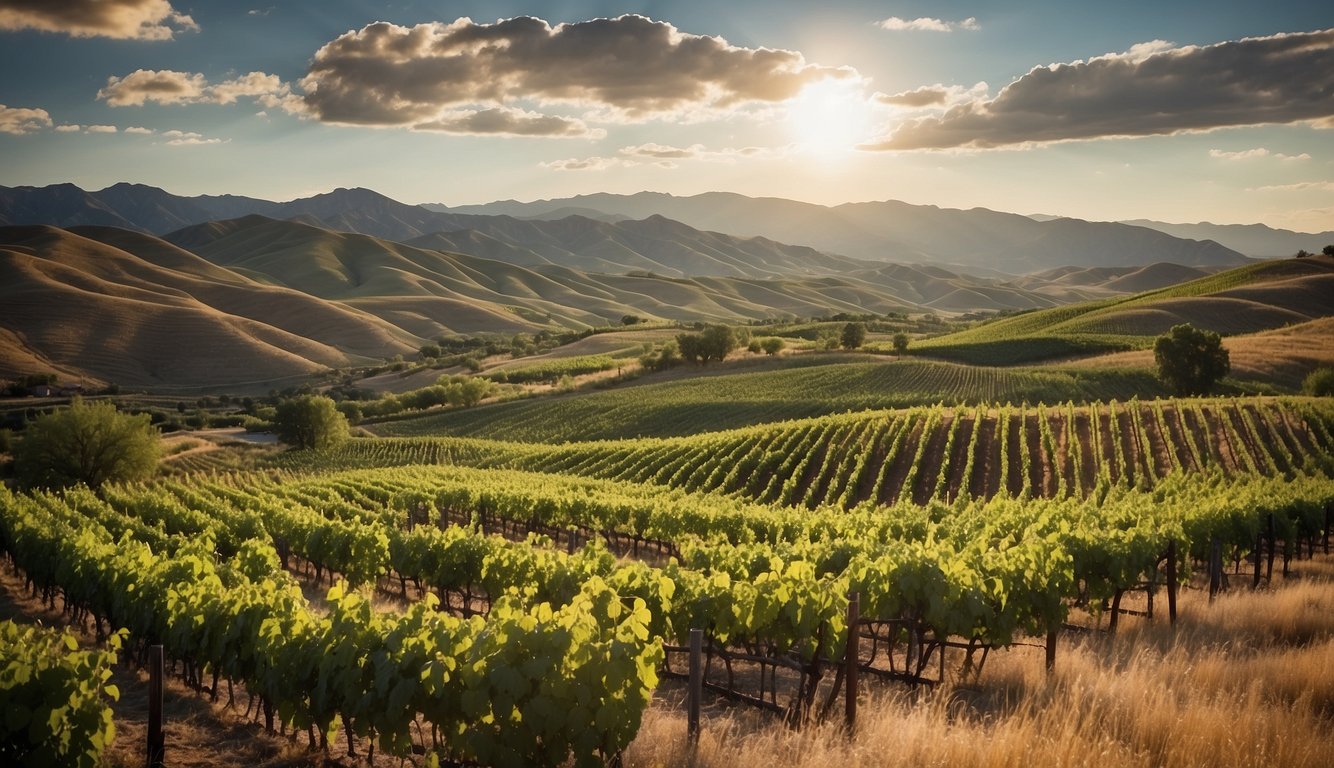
x,y
603,232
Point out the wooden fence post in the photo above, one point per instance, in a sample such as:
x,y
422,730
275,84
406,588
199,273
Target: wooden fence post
x,y
1215,568
851,658
156,743
695,690
1172,582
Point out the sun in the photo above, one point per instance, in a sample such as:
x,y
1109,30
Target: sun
x,y
829,117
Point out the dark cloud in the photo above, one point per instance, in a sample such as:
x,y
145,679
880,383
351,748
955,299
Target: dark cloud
x,y
120,19
630,68
1150,90
503,121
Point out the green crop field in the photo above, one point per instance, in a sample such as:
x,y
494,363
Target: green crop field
x,y
722,401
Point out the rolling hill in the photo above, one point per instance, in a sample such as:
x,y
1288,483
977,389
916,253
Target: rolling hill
x,y
1251,299
253,301
590,232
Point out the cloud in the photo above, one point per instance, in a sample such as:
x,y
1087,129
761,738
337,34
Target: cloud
x,y
928,96
71,128
631,68
101,129
168,86
661,155
1252,154
581,164
925,24
1151,89
18,121
504,121
1301,186
118,19
139,131
187,139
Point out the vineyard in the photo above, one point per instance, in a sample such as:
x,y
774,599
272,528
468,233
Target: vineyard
x,y
527,612
708,403
927,453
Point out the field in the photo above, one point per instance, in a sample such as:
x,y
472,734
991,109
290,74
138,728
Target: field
x,y
546,590
805,386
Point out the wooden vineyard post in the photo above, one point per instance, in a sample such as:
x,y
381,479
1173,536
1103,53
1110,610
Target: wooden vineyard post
x,y
1259,559
1051,649
851,657
695,690
1172,581
156,743
1215,568
1269,569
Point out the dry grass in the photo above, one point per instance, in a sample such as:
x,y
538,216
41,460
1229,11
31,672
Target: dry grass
x,y
1243,682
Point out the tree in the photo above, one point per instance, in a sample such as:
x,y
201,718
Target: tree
x,y
1319,383
854,335
718,341
900,342
310,421
1302,253
772,345
429,351
1328,250
1190,361
631,320
90,443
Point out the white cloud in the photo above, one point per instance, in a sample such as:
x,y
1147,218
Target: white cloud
x,y
117,19
168,86
936,96
71,128
927,24
101,129
1253,154
187,139
1152,89
18,120
581,164
1301,186
139,131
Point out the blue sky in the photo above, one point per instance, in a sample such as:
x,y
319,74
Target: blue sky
x,y
839,102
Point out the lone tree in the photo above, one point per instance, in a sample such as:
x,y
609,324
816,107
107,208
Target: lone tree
x,y
900,342
772,345
311,421
90,443
1319,383
1190,361
1328,250
713,343
854,335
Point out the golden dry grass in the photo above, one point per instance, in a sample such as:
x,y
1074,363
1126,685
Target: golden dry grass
x,y
1244,682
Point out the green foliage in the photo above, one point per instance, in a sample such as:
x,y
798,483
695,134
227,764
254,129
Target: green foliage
x,y
631,320
1190,361
900,342
310,421
1328,250
429,351
804,385
1319,383
88,443
56,698
668,356
713,343
550,371
854,335
772,345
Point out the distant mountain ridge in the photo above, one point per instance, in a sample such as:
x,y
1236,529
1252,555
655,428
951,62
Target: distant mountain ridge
x,y
1257,240
542,231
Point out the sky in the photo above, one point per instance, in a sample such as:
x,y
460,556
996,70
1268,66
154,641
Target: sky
x,y
1183,111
